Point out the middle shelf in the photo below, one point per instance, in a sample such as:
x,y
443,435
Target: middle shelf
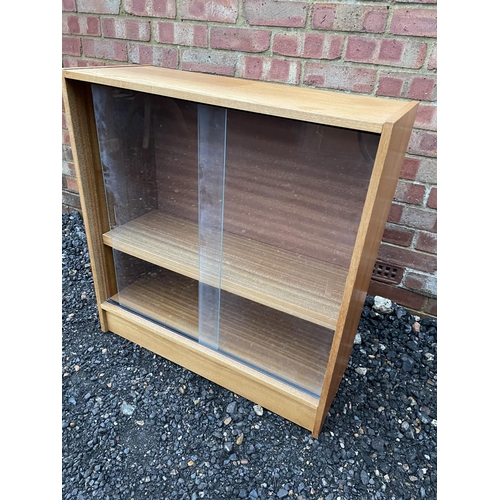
x,y
298,285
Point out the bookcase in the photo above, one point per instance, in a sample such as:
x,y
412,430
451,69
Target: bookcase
x,y
233,225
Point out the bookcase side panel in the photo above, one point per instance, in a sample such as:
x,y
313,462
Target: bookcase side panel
x,y
81,125
393,144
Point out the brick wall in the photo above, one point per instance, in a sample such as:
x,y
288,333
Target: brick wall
x,y
380,47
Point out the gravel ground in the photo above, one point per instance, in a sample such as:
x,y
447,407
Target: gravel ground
x,y
136,426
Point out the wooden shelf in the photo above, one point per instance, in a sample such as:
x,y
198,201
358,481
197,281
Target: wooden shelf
x,y
296,352
313,105
291,283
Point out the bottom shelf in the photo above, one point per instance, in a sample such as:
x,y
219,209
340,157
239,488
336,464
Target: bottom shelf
x,y
290,349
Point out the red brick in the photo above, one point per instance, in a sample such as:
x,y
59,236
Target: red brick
x,y
286,44
105,49
80,25
69,5
426,242
140,53
71,45
405,298
331,46
323,16
432,200
72,184
240,39
395,213
269,69
192,35
422,88
308,45
313,46
410,193
99,6
407,257
221,11
334,44
375,19
407,85
423,143
391,50
209,61
403,53
410,168
252,67
126,29
427,171
151,8
64,122
275,13
340,77
349,17
414,22
65,138
390,86
432,64
426,117
362,49
283,71
425,283
419,218
386,51
398,235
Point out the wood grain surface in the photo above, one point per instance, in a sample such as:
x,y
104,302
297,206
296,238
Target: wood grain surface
x,y
308,104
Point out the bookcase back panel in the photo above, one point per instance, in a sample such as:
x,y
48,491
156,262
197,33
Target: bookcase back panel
x,y
296,185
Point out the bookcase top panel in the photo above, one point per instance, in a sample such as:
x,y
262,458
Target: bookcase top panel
x,y
298,103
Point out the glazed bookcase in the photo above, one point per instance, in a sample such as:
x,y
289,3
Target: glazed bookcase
x,y
233,225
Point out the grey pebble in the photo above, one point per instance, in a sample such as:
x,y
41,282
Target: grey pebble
x,y
127,409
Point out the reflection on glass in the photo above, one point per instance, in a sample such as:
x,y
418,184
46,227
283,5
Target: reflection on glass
x,y
211,172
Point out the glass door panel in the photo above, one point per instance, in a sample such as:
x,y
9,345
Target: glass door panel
x,y
149,149
294,196
225,225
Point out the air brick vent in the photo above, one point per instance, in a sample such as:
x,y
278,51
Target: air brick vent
x,y
387,273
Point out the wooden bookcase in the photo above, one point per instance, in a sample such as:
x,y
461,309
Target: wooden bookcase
x,y
233,225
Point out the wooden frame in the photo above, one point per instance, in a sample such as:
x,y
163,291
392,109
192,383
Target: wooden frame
x,y
176,251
